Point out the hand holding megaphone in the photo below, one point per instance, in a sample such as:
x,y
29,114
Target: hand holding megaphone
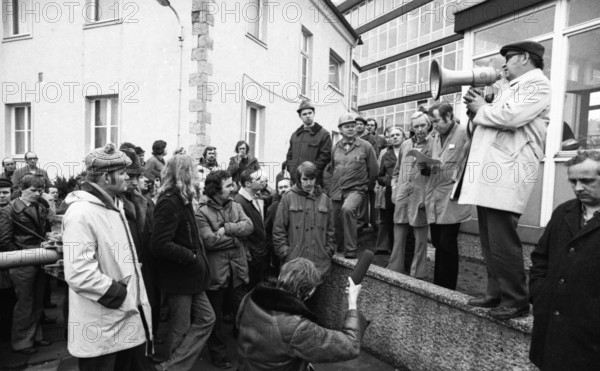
x,y
443,81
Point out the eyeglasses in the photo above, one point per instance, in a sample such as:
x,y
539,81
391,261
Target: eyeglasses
x,y
507,57
31,158
395,135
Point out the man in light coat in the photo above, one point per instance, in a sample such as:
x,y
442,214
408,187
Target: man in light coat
x,y
502,169
444,214
110,325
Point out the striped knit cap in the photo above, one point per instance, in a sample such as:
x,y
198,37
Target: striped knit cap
x,y
106,160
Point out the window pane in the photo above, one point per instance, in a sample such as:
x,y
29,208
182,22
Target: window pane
x,y
99,137
526,26
252,120
581,113
20,142
251,139
114,111
334,72
114,134
252,15
19,118
582,10
107,10
100,112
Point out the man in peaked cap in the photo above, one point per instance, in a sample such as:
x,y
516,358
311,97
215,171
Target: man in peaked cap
x,y
103,271
509,137
354,167
310,142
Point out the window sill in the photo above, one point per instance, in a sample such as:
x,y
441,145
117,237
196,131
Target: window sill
x,y
9,39
257,40
335,89
98,24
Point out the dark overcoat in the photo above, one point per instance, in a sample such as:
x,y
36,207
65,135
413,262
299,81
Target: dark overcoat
x,y
565,292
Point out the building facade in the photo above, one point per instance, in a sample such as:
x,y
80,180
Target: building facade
x,y
402,37
76,75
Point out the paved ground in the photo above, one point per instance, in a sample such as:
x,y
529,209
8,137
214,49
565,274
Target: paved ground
x,y
56,357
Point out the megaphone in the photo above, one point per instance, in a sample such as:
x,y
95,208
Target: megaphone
x,y
441,80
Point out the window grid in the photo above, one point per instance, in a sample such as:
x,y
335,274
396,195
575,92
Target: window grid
x,y
104,116
16,17
21,128
305,62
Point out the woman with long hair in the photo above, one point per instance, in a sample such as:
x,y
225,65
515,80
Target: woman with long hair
x,y
183,268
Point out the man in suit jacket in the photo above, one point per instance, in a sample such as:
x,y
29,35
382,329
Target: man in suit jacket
x,y
506,150
565,279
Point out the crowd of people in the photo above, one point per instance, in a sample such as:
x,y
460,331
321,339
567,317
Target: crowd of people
x,y
201,245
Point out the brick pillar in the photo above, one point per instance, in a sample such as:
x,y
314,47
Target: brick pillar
x,y
202,22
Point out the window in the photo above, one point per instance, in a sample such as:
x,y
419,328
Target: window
x,y
253,128
16,17
305,62
354,88
20,126
102,10
103,120
255,13
581,115
336,65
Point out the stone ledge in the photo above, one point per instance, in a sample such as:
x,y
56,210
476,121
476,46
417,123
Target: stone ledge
x,y
416,325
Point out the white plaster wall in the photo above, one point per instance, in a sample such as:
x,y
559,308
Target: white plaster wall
x,y
138,58
239,60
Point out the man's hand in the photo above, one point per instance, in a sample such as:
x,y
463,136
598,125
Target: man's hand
x,y
352,290
221,231
474,100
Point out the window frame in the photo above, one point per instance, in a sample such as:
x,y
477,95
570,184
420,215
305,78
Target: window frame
x,y
91,118
256,148
263,15
8,22
306,55
339,62
93,23
28,144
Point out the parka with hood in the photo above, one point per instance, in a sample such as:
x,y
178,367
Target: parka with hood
x,y
107,296
226,253
304,228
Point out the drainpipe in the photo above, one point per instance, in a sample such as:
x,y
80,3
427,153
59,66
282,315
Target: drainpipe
x,y
180,38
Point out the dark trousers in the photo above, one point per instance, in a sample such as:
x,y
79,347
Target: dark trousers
x,y
385,236
217,341
128,359
503,254
30,282
191,319
368,213
7,303
345,212
444,237
257,271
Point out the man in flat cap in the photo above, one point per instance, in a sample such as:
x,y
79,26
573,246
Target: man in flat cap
x,y
354,167
310,142
107,296
502,169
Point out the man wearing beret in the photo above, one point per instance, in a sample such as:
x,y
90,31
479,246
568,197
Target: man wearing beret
x,y
502,169
354,167
310,142
110,326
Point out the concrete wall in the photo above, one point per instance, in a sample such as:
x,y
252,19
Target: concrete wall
x,y
417,326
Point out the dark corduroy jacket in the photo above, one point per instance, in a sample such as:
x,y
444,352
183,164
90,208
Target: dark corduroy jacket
x,y
176,245
565,292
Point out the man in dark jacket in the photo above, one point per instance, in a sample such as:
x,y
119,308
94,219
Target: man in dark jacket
x,y
372,128
311,142
283,186
564,282
7,290
9,166
367,212
256,243
30,168
354,168
221,224
184,272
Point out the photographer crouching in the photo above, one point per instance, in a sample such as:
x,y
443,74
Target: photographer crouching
x,y
279,333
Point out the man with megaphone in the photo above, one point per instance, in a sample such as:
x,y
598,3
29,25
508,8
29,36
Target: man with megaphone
x,y
502,168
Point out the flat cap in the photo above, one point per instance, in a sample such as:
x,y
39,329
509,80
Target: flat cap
x,y
305,105
361,119
5,183
530,47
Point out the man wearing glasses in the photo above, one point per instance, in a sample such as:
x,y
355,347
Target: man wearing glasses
x,y
502,169
30,168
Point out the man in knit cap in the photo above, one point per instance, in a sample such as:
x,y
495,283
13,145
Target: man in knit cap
x,y
107,297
